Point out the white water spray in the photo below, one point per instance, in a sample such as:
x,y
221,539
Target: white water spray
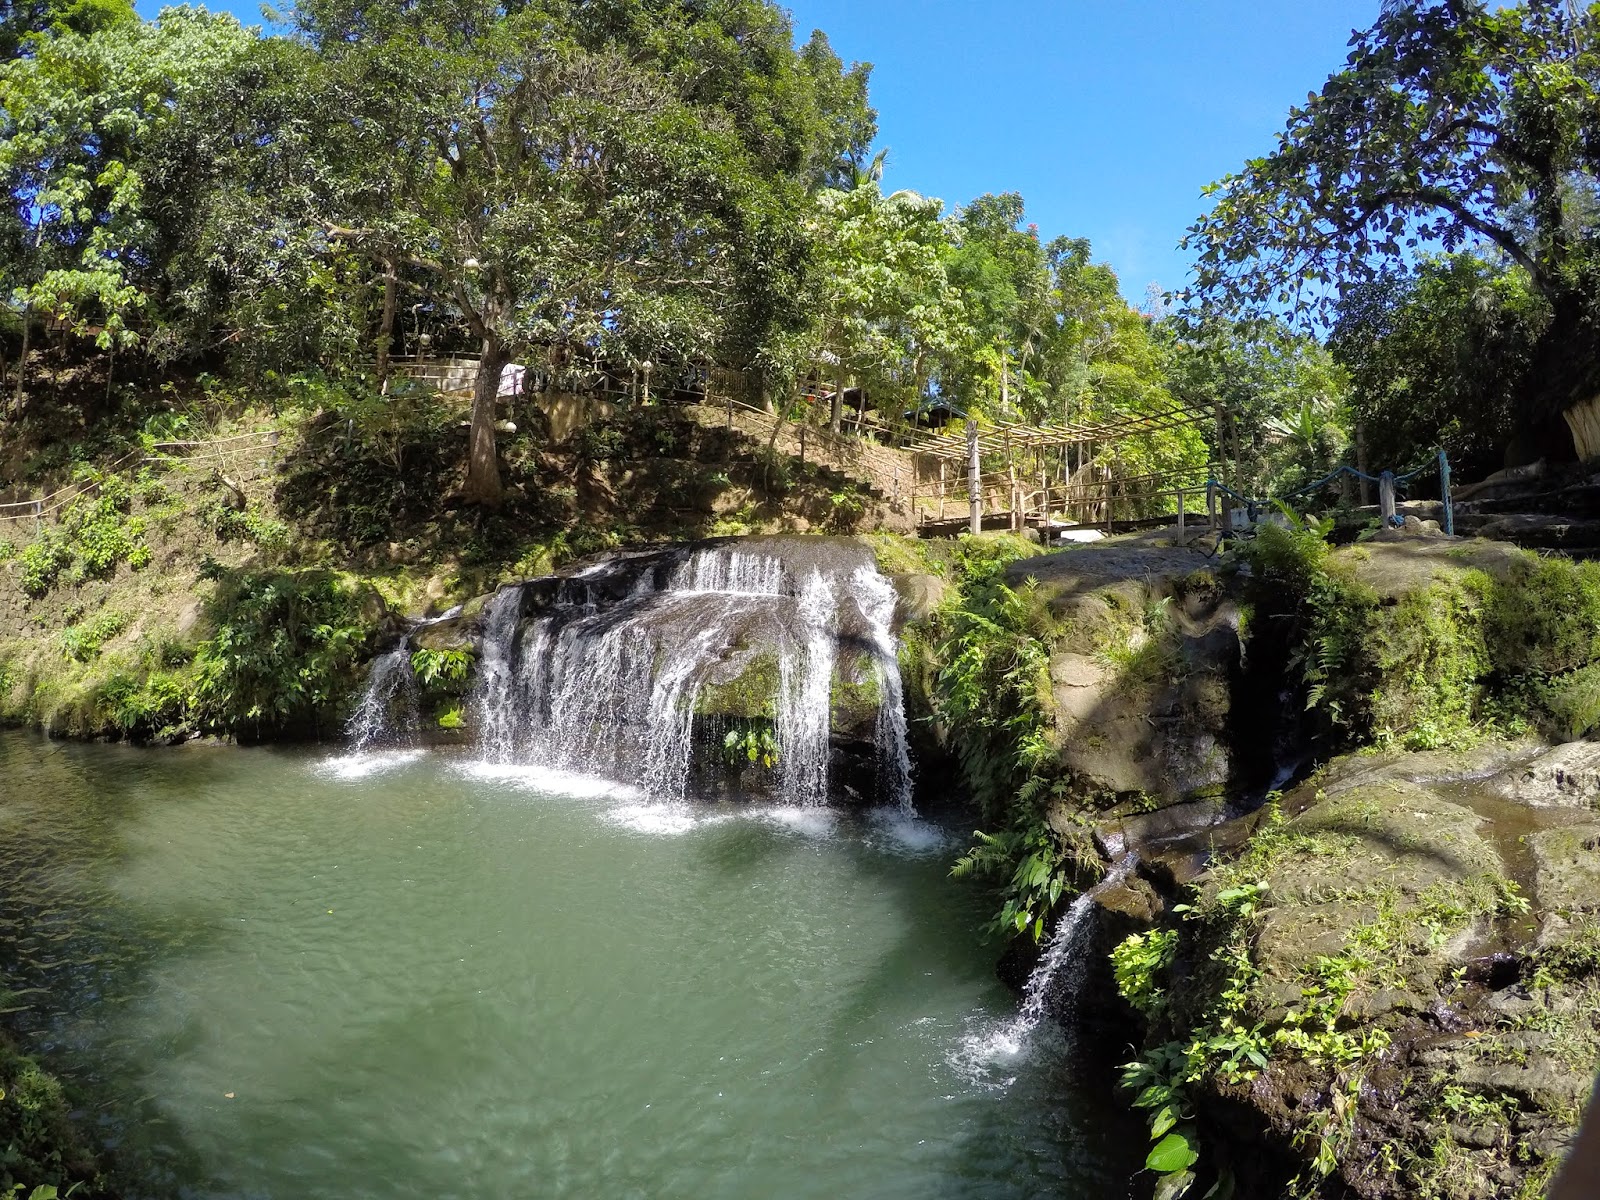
x,y
610,676
387,713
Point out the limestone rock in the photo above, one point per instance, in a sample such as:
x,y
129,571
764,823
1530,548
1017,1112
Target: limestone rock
x,y
1567,868
1567,775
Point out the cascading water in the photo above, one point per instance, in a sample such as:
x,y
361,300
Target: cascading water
x,y
609,673
1053,986
1057,977
387,713
894,748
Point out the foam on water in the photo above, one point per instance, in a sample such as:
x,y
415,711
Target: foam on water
x,y
362,763
549,780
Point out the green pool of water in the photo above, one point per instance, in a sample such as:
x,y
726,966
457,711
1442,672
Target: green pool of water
x,y
277,974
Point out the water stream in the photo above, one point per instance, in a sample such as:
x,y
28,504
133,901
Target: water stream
x,y
403,974
605,671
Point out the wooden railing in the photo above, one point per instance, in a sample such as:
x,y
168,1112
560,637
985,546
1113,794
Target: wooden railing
x,y
215,452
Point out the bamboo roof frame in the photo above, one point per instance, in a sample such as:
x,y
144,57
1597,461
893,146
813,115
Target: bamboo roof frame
x,y
1008,438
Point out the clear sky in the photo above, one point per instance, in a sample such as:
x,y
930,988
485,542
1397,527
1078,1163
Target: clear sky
x,y
1108,116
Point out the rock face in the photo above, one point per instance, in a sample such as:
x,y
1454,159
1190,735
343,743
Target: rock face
x,y
1418,965
1142,678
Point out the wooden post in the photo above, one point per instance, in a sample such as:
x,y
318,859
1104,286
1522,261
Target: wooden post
x,y
941,489
1180,514
802,444
1386,499
1011,470
974,491
1361,463
1211,505
1444,493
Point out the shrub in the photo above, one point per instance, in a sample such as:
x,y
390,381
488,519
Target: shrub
x,y
82,642
101,533
42,562
283,655
1544,618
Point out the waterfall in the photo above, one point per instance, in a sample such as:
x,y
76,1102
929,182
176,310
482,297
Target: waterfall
x,y
1058,975
877,598
492,698
609,672
390,686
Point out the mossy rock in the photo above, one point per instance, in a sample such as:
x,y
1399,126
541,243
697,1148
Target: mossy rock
x,y
1393,852
749,692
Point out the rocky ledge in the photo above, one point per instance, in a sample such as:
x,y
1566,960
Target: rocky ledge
x,y
1390,988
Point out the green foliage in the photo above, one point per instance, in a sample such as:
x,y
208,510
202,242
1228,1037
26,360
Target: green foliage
x,y
1437,357
1573,700
990,690
100,531
381,464
1544,618
1366,174
283,655
1138,962
441,668
993,673
42,561
8,551
82,642
751,742
1029,861
40,1150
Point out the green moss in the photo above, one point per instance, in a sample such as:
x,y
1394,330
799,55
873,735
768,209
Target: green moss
x,y
854,693
1460,654
749,695
1544,617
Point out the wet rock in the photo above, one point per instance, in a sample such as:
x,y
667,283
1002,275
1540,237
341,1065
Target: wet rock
x,y
919,596
1567,868
1567,775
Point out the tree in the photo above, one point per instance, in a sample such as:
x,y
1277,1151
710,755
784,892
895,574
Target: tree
x,y
881,304
618,180
27,24
1454,124
1282,396
1436,358
88,126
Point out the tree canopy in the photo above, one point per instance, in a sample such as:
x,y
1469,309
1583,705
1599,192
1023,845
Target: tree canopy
x,y
1455,126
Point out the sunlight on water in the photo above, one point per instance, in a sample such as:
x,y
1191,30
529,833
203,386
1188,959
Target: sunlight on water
x,y
409,977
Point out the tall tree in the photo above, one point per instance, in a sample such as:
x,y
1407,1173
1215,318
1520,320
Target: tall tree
x,y
90,127
1455,123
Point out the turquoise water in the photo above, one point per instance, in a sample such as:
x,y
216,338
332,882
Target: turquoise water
x,y
283,974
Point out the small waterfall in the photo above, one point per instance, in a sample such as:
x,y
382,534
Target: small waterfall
x,y
492,698
805,711
877,599
391,686
609,674
1058,975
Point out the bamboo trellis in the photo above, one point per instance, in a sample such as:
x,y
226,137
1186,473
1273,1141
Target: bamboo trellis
x,y
1039,483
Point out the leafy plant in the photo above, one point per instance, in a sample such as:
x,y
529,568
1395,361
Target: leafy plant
x,y
42,561
82,642
441,667
751,742
283,654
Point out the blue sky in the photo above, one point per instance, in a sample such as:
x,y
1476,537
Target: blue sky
x,y
1109,116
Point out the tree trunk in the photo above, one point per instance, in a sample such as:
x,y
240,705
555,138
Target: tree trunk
x,y
836,412
22,359
483,464
391,286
